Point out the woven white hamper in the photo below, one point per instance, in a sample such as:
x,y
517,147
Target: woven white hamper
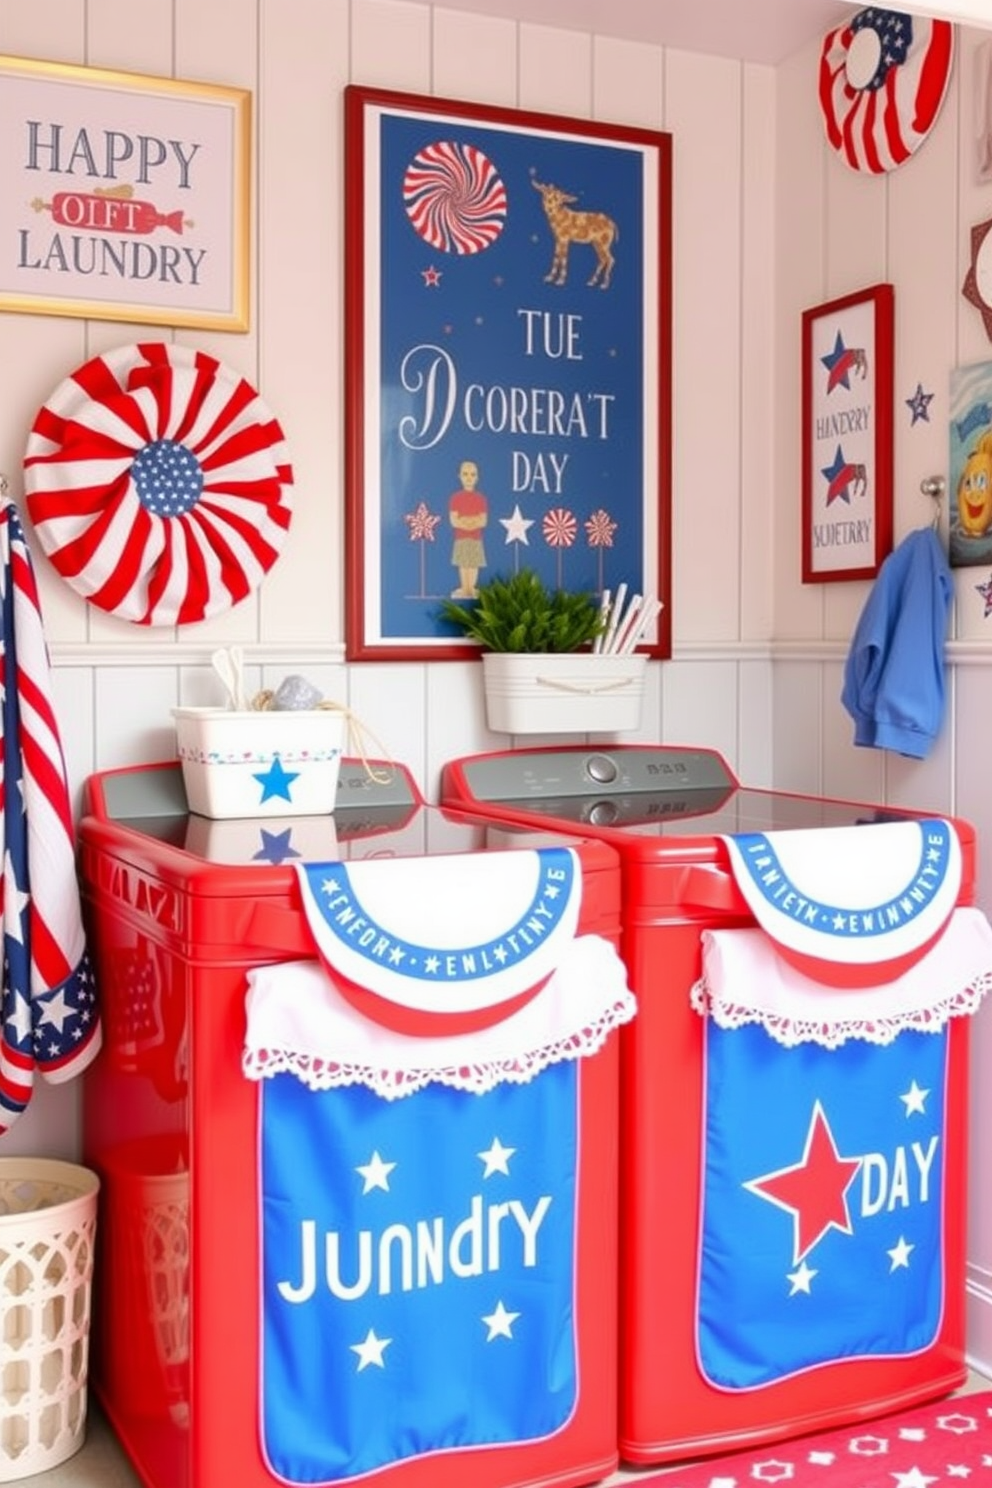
x,y
47,1232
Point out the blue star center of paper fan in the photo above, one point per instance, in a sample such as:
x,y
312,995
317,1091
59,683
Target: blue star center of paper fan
x,y
167,477
894,30
275,781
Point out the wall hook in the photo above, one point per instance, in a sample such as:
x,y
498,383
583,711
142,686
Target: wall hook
x,y
933,486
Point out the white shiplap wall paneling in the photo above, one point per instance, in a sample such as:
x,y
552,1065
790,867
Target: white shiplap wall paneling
x,y
73,702
390,699
800,281
850,772
700,705
555,71
491,42
628,82
797,732
703,111
391,45
133,720
300,305
455,719
113,40
759,408
755,765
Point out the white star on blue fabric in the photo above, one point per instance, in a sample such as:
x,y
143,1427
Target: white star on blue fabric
x,y
899,1254
496,1158
275,781
375,1173
500,1323
915,1100
370,1350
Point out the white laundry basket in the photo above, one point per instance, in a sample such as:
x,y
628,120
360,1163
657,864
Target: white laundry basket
x,y
47,1232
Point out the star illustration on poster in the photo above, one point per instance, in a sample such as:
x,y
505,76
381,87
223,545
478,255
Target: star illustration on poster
x,y
422,524
841,362
977,286
840,476
919,405
517,526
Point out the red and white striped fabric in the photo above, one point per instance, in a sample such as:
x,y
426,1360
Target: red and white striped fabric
x,y
883,78
48,1006
158,483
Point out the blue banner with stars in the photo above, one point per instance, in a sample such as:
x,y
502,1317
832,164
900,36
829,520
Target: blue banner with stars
x,y
822,1230
419,1254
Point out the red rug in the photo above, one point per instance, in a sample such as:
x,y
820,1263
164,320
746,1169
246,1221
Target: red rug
x,y
946,1442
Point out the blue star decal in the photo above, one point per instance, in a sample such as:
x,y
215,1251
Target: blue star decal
x,y
276,846
276,781
919,403
985,590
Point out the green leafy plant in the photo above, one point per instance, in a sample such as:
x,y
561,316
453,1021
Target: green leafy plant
x,y
521,613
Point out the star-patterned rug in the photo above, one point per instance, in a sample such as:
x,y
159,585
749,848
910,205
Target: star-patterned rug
x,y
939,1445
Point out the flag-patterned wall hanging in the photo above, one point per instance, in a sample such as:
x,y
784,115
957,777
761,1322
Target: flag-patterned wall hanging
x,y
883,78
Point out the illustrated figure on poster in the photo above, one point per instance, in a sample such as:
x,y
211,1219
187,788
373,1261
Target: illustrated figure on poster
x,y
568,227
468,513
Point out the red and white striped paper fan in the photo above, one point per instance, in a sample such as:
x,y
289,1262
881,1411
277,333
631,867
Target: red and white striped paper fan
x,y
158,483
883,79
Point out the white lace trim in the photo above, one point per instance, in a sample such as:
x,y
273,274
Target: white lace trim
x,y
792,1030
298,1022
392,1084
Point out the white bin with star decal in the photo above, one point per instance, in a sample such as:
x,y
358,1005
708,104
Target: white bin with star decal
x,y
260,763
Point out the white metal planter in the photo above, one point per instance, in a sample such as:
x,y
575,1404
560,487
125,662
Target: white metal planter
x,y
566,692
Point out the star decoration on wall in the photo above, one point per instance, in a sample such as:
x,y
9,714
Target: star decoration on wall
x,y
919,404
985,590
976,286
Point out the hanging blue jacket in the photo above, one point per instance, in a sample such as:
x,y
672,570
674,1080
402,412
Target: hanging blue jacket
x,y
894,673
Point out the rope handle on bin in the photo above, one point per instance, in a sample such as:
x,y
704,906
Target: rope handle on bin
x,y
358,733
585,689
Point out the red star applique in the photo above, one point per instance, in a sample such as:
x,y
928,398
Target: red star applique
x,y
815,1189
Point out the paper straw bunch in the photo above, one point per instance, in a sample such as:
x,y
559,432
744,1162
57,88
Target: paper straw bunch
x,y
625,629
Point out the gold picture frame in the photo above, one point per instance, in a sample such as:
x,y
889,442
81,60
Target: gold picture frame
x,y
123,197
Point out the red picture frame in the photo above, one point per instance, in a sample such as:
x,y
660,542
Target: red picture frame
x,y
575,480
847,456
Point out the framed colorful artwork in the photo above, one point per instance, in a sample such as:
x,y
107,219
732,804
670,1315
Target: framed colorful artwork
x,y
123,197
970,467
847,405
508,363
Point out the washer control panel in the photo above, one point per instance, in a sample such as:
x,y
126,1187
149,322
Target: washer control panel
x,y
630,769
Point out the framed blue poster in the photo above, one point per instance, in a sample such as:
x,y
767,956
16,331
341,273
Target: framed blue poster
x,y
508,363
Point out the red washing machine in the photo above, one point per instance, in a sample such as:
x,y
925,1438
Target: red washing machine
x,y
754,1304
302,1278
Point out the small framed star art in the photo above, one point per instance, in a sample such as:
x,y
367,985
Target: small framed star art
x,y
508,352
847,410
